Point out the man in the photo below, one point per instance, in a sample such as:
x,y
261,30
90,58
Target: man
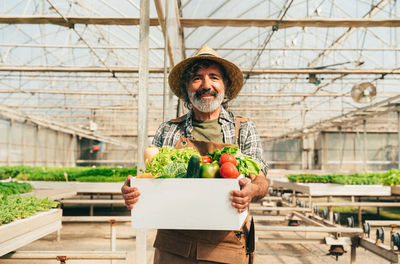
x,y
206,82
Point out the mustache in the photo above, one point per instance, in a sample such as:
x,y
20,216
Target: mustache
x,y
200,93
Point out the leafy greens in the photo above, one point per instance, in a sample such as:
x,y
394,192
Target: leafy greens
x,y
245,163
170,162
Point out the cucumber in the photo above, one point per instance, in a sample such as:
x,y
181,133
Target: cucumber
x,y
193,169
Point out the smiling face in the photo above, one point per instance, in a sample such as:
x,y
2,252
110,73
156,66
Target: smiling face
x,y
206,89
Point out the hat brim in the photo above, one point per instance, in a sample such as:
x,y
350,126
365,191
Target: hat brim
x,y
234,74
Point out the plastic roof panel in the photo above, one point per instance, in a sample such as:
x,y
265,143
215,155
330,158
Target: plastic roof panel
x,y
281,104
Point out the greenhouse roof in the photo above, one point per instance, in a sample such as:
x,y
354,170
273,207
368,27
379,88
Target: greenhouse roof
x,y
76,63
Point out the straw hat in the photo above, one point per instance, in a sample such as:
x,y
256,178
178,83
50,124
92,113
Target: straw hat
x,y
234,74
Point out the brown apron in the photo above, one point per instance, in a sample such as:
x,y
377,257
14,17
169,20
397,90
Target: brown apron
x,y
202,246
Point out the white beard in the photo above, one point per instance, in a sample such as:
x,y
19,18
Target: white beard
x,y
206,105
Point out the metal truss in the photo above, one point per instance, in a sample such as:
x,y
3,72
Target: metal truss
x,y
78,61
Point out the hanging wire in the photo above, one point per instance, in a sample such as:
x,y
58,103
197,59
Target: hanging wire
x,y
266,41
72,26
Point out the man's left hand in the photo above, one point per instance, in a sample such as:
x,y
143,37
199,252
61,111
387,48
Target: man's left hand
x,y
241,198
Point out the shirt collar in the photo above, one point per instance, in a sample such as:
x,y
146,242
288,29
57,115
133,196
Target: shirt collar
x,y
224,117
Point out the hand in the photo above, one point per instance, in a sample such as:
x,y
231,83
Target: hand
x,y
130,194
241,199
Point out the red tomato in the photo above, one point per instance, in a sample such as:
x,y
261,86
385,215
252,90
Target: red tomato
x,y
206,159
227,158
228,170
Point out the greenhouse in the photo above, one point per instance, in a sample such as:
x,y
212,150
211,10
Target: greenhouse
x,y
107,113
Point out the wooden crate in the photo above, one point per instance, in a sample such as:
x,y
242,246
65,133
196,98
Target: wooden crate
x,y
24,231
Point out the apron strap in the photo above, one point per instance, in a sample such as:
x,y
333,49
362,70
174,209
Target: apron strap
x,y
238,121
182,131
249,233
180,121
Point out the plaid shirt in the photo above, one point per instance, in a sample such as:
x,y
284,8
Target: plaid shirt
x,y
168,134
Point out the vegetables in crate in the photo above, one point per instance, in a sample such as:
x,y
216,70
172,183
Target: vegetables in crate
x,y
227,162
170,162
149,153
210,170
193,169
229,170
246,165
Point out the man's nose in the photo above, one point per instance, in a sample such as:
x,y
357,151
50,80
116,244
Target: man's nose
x,y
207,83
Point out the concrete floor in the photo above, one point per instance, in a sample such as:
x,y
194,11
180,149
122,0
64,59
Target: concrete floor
x,y
96,237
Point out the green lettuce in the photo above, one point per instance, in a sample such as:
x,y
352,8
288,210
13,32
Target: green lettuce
x,y
168,155
176,170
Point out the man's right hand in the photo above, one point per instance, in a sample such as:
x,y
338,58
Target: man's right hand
x,y
130,194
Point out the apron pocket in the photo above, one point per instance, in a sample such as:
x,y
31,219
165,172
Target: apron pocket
x,y
221,253
173,245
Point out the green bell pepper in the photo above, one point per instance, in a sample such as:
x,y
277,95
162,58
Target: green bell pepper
x,y
209,170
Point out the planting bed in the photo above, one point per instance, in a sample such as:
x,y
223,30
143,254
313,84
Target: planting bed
x,y
24,231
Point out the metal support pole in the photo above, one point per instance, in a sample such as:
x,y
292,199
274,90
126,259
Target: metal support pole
x,y
378,211
323,151
55,150
359,216
113,235
141,249
143,82
353,254
302,152
23,146
142,110
46,147
294,198
74,146
165,83
341,148
365,146
58,237
36,146
9,142
398,139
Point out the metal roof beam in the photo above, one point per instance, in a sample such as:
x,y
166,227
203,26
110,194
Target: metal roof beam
x,y
161,70
351,29
52,46
155,108
12,114
389,105
69,21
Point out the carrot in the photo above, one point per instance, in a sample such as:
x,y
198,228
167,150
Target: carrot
x,y
145,175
